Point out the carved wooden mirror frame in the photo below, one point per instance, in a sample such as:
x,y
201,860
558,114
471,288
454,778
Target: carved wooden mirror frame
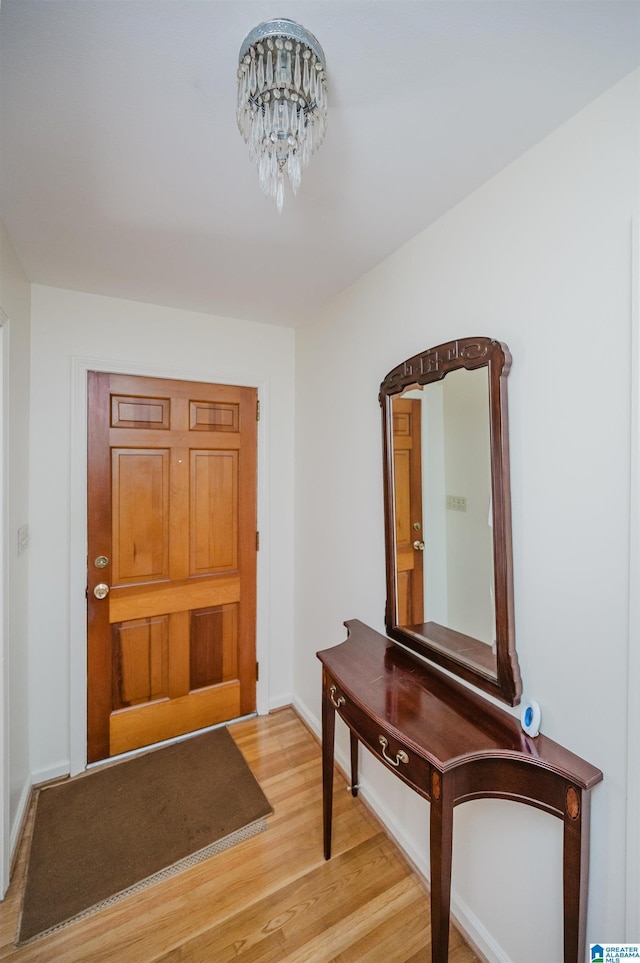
x,y
502,677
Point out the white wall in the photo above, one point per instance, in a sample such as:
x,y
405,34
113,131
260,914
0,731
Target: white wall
x,y
67,329
469,535
15,305
539,257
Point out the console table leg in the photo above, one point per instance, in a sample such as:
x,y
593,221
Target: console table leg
x,y
441,841
354,763
328,737
575,873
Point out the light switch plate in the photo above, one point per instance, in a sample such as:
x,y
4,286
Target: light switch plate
x,y
23,539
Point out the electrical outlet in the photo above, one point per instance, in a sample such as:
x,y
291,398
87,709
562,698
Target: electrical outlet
x,y
456,503
23,539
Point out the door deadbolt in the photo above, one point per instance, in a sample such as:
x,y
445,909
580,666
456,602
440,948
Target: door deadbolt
x,y
101,591
101,562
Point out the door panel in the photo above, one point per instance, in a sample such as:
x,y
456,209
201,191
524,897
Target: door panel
x,y
140,505
141,661
214,633
407,489
214,512
172,506
129,412
211,416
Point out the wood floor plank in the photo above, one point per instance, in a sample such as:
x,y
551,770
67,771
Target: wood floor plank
x,y
305,908
352,939
272,898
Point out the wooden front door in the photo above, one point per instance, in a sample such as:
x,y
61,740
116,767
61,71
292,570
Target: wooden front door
x,y
172,551
407,488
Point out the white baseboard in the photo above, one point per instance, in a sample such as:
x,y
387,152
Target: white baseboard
x,y
466,921
482,941
279,702
51,772
19,817
308,717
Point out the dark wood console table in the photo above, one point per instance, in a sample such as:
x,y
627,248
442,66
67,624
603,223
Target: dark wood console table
x,y
450,745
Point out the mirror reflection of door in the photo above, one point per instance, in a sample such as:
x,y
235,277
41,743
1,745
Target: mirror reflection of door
x,y
407,476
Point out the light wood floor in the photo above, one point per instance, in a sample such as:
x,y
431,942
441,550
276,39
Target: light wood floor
x,y
272,898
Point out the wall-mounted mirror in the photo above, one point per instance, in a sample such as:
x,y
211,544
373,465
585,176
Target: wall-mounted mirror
x,y
448,512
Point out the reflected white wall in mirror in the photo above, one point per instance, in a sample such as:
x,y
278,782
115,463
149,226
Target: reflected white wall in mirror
x,y
455,474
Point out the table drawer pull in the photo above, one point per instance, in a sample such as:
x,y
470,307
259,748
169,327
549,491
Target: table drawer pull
x,y
332,696
401,756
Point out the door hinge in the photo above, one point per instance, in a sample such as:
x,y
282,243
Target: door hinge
x,y
257,541
257,671
257,409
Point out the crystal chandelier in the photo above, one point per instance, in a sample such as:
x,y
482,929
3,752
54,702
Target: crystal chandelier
x,y
282,102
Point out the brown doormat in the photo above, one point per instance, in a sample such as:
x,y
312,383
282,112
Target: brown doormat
x,y
109,832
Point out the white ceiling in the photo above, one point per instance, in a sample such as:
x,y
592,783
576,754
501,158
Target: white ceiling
x,y
123,172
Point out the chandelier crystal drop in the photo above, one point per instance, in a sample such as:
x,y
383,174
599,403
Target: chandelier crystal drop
x,y
282,102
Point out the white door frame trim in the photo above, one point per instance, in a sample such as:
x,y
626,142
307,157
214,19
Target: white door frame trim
x,y
5,813
78,531
633,705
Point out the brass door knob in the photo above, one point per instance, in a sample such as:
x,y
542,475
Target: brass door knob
x,y
101,591
419,546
